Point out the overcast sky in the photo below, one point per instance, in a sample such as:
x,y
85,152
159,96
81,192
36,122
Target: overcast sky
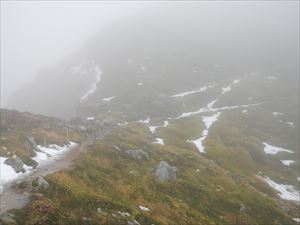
x,y
39,34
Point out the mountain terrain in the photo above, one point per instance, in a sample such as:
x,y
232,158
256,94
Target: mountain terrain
x,y
181,131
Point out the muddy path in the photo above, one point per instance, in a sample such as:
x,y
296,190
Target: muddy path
x,y
13,197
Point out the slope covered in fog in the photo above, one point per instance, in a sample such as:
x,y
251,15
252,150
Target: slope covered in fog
x,y
166,51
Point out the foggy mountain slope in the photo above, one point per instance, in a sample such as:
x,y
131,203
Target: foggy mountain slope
x,y
167,55
191,117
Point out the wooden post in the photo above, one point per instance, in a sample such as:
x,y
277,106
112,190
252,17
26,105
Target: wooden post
x,y
27,148
67,134
45,144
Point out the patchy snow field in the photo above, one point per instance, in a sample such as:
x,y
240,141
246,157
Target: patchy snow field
x,y
208,122
286,192
273,150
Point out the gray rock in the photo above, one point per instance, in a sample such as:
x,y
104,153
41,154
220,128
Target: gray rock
x,y
16,163
39,183
165,172
7,218
138,154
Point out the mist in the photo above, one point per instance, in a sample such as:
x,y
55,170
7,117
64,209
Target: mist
x,y
39,35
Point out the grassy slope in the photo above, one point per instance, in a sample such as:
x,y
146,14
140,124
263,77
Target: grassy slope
x,y
109,179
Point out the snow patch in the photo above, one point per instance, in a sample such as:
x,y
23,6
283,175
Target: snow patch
x,y
272,78
273,150
245,111
208,122
108,99
140,83
201,89
51,153
166,123
93,86
153,128
287,162
145,121
236,81
296,220
8,174
286,192
291,124
225,89
277,114
90,118
159,141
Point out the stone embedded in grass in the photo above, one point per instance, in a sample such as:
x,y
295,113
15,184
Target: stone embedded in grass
x,y
138,154
39,183
165,172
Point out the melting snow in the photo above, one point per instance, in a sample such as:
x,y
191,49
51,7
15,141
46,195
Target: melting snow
x,y
208,122
277,114
140,83
201,89
143,68
287,192
50,154
245,111
159,141
108,99
236,81
273,150
8,174
287,162
166,123
152,129
272,78
225,89
296,220
93,86
144,208
291,124
209,108
145,121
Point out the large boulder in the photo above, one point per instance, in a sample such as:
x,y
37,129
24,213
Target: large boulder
x,y
138,154
165,172
16,163
39,183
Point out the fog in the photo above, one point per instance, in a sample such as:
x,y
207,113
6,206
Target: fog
x,y
37,35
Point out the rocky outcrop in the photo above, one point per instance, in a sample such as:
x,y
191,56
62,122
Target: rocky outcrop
x,y
165,172
16,163
138,154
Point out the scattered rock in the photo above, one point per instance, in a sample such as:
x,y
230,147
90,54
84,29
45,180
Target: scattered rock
x,y
144,208
99,210
16,163
124,214
86,218
165,172
134,222
138,154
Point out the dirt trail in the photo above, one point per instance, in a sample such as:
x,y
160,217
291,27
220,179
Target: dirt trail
x,y
15,198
